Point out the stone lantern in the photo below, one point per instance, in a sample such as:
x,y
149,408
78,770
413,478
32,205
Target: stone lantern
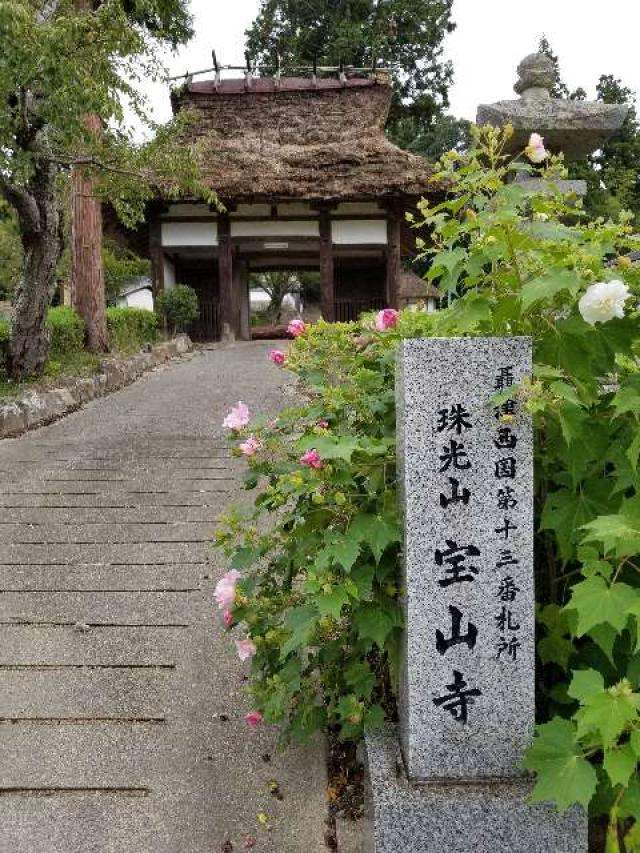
x,y
575,128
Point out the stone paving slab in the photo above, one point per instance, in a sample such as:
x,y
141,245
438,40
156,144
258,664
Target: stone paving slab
x,y
45,645
87,755
85,693
102,514
106,534
95,607
40,516
87,577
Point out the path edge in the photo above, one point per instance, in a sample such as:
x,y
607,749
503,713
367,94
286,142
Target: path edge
x,y
35,409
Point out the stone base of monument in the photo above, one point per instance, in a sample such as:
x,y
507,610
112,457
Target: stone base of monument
x,y
475,817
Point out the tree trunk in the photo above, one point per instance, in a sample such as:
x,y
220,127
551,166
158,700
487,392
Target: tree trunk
x,y
40,227
87,275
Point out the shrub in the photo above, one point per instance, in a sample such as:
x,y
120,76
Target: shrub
x,y
5,334
66,329
131,328
318,551
179,305
121,266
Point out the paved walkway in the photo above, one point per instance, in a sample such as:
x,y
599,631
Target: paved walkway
x,y
121,702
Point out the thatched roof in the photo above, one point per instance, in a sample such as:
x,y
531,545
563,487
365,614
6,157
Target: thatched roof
x,y
411,287
299,139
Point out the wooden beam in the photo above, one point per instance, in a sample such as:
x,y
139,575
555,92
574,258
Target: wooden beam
x,y
156,256
327,276
394,255
228,316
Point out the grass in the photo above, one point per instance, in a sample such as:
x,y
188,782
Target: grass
x,y
72,365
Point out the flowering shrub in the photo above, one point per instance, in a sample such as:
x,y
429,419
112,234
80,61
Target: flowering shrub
x,y
318,592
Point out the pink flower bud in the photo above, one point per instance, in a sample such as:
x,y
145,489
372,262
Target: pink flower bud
x,y
386,319
250,447
535,150
254,718
312,459
245,648
227,618
225,591
278,357
296,328
237,418
323,424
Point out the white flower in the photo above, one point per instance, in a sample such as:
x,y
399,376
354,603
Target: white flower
x,y
535,150
603,301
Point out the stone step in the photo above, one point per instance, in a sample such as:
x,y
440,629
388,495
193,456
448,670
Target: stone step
x,y
86,693
110,647
149,552
83,755
97,608
81,577
128,532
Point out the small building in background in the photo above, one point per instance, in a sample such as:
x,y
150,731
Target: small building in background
x,y
137,293
415,292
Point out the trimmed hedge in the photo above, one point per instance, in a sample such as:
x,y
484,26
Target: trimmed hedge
x,y
130,328
66,329
5,334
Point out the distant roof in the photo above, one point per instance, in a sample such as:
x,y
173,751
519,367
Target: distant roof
x,y
411,286
293,139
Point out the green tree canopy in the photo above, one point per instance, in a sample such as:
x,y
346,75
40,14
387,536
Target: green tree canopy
x,y
57,67
612,173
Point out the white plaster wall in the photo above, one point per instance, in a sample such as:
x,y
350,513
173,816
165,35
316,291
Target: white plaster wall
x,y
273,228
351,231
139,299
190,233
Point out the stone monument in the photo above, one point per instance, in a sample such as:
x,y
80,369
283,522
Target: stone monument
x,y
575,128
449,778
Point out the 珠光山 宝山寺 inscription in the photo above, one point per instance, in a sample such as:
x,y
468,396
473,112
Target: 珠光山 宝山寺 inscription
x,y
466,485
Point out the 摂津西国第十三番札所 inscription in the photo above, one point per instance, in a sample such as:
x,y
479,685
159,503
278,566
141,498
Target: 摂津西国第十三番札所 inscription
x,y
466,485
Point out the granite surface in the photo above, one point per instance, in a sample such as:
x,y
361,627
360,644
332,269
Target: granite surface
x,y
459,818
575,128
467,685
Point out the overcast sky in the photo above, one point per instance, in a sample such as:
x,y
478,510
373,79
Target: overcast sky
x,y
492,36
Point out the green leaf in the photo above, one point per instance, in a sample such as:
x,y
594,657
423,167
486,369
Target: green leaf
x,y
620,532
626,400
604,636
329,446
548,285
362,576
359,677
620,764
596,602
376,531
300,623
585,684
343,550
374,717
331,603
373,623
608,713
633,451
564,776
244,557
